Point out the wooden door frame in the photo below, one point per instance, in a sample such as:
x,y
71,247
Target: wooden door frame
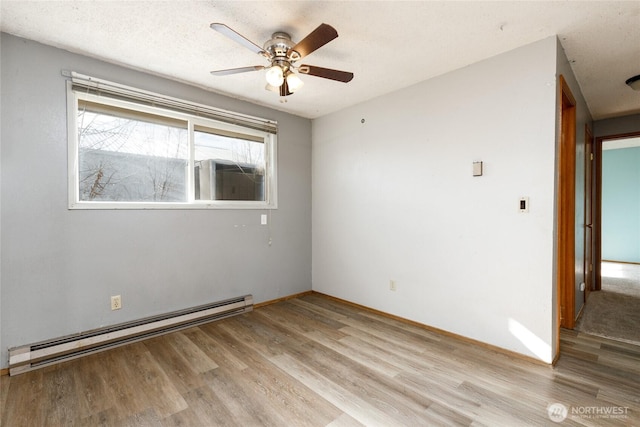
x,y
589,161
565,277
597,214
597,203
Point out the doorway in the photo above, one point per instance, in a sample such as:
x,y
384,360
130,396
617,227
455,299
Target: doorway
x,y
620,202
597,198
613,310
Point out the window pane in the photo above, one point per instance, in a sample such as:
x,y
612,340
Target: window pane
x,y
124,155
228,166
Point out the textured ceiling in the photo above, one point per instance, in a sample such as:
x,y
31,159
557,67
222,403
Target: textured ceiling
x,y
388,45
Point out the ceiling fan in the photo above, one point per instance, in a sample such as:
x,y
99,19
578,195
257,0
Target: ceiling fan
x,y
282,54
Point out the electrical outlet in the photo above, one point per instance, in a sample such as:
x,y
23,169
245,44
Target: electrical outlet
x,y
116,302
392,285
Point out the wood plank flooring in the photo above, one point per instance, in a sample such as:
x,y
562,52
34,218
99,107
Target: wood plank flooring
x,y
314,361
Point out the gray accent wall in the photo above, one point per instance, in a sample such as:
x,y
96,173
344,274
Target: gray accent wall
x,y
59,267
617,126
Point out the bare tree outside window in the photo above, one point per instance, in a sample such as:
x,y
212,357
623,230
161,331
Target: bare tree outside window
x,y
133,149
124,157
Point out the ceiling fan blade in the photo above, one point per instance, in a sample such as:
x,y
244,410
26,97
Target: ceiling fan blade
x,y
238,38
237,70
326,73
316,39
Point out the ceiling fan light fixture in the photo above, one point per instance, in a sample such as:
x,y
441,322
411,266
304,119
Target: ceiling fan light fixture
x,y
275,76
282,54
294,82
634,82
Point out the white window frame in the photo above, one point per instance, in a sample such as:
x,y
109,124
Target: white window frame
x,y
270,141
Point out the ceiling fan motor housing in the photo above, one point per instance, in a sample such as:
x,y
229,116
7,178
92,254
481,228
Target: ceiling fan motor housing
x,y
280,47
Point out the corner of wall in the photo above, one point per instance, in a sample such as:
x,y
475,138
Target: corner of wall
x,y
583,120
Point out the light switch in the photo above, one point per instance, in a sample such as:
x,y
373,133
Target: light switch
x,y
477,168
524,204
263,219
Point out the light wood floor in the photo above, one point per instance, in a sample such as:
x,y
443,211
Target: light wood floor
x,y
313,361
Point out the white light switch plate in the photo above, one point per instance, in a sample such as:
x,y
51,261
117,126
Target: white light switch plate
x,y
477,168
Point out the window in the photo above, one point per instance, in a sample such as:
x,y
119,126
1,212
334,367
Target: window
x,y
228,167
126,151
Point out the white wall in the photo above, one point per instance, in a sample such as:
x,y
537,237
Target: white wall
x,y
394,199
60,267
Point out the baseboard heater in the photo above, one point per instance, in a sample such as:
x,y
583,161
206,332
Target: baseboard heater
x,y
33,356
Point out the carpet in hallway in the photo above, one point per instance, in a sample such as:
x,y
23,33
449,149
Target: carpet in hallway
x,y
614,312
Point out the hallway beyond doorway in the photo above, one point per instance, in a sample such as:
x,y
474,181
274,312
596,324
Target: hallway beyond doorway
x,y
614,312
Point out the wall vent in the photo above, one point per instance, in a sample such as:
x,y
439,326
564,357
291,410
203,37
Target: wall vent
x,y
33,356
